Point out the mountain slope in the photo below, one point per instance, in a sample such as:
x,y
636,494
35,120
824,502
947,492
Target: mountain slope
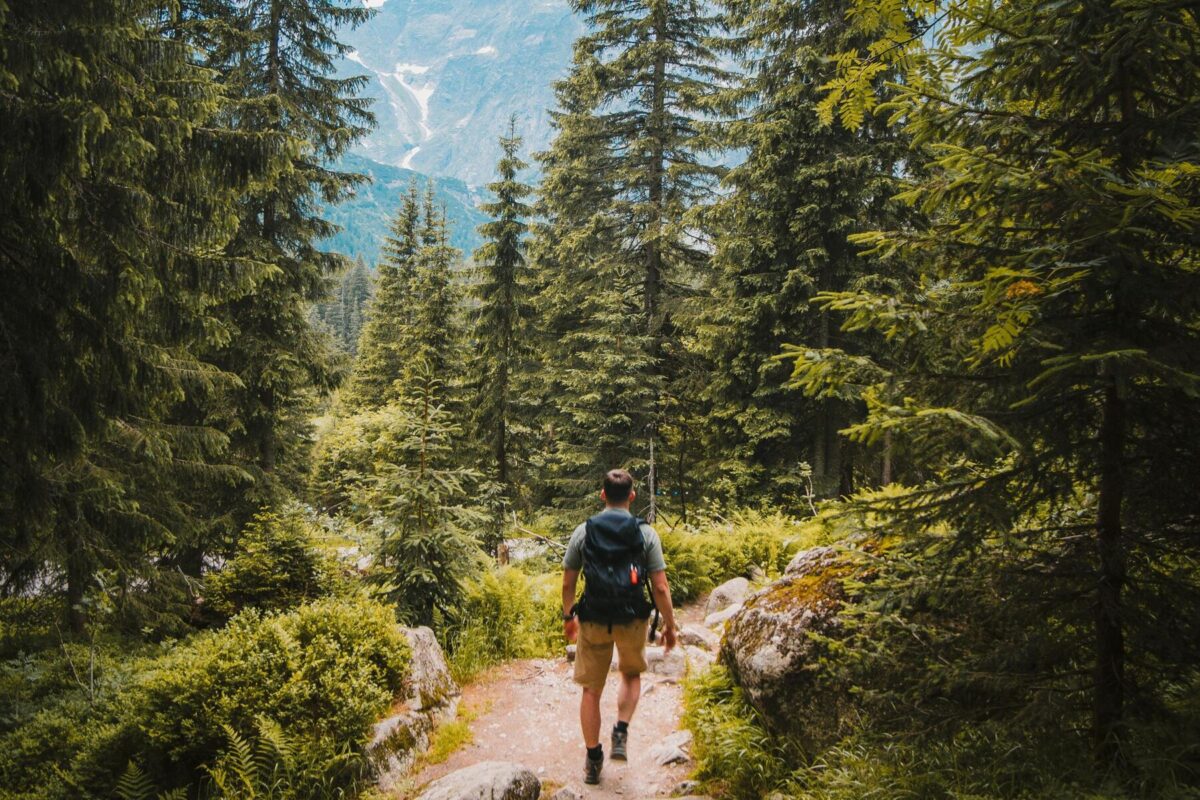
x,y
446,75
366,216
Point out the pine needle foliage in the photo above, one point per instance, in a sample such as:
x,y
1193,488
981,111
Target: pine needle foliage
x,y
501,324
780,237
1042,353
615,251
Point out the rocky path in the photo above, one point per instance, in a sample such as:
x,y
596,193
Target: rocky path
x,y
527,713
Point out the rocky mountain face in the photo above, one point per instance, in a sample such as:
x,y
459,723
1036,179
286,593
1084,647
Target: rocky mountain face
x,y
447,74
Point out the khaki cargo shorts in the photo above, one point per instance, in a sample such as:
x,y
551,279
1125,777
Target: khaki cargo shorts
x,y
593,654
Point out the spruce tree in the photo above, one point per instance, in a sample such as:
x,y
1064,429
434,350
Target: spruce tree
x,y
118,197
780,238
1043,356
617,260
420,498
342,315
500,321
383,343
436,336
277,58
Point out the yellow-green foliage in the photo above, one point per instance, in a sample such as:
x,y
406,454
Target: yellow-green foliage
x,y
700,557
505,614
449,737
276,566
734,754
321,674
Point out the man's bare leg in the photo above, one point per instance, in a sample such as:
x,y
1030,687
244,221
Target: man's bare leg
x,y
627,697
589,716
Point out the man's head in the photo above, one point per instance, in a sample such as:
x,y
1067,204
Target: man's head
x,y
618,489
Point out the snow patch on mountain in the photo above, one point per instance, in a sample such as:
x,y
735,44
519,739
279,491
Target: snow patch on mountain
x,y
446,75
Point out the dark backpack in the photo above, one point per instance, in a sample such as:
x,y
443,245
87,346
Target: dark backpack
x,y
614,571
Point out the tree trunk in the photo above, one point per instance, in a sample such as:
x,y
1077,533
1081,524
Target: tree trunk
x,y
885,477
77,578
1109,670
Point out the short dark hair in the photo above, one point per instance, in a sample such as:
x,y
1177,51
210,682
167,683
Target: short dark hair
x,y
617,485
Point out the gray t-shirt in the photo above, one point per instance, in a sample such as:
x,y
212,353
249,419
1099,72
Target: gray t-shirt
x,y
654,554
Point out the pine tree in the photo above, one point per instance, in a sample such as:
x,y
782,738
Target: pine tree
x,y
277,58
342,314
384,344
500,322
118,197
1043,357
781,237
436,337
421,496
618,259
354,296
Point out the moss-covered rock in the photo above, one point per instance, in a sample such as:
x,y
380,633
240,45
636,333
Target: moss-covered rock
x,y
774,644
430,696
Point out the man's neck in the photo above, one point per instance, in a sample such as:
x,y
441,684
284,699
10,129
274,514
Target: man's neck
x,y
624,508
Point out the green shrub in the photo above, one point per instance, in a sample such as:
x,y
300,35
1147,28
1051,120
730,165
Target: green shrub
x,y
319,675
276,566
701,556
735,755
327,669
504,614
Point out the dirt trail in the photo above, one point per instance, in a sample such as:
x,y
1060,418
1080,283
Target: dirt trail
x,y
528,713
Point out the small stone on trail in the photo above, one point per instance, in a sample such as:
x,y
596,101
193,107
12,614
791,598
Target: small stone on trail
x,y
671,749
695,636
567,793
684,788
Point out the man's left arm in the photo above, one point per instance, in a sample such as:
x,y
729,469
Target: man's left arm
x,y
570,624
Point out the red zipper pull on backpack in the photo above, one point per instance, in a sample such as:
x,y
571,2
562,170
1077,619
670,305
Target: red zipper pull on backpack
x,y
633,574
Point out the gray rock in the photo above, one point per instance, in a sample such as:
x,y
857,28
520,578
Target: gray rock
x,y
719,619
770,648
696,636
806,561
430,696
567,793
685,788
672,749
727,594
698,660
669,665
487,780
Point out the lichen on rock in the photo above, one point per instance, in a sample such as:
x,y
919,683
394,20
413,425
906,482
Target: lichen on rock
x,y
774,644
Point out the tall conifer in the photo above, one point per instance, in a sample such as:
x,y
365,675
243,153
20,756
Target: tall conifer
x,y
277,58
500,321
618,259
118,198
781,237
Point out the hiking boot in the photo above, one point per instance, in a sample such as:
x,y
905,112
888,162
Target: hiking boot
x,y
591,769
618,745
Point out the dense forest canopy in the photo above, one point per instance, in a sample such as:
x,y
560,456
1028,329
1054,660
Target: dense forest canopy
x,y
941,314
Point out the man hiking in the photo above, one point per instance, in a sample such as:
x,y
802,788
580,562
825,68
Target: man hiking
x,y
620,556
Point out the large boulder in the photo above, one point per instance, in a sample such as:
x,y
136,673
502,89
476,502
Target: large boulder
x,y
727,594
430,696
487,780
772,645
